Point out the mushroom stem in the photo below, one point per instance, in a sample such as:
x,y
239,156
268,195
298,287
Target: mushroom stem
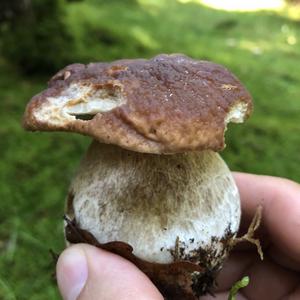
x,y
157,203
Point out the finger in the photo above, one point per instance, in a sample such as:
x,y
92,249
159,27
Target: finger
x,y
262,274
86,272
280,199
222,296
294,294
268,280
282,259
234,269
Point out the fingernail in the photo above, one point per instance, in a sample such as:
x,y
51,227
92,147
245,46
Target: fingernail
x,y
71,272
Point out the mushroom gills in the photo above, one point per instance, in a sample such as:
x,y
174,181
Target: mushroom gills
x,y
167,207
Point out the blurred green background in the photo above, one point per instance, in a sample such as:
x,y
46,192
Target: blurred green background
x,y
38,37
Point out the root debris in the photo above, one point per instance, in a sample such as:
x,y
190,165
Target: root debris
x,y
249,236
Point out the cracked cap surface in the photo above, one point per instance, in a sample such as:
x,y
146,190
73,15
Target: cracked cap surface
x,y
168,104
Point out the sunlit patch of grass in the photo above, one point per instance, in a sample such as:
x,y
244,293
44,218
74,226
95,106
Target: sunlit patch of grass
x,y
234,5
291,11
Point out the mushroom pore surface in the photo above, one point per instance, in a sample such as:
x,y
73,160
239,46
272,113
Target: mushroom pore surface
x,y
149,201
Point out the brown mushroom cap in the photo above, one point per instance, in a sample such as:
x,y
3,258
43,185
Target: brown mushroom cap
x,y
168,104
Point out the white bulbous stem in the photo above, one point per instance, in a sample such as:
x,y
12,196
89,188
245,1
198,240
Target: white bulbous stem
x,y
149,201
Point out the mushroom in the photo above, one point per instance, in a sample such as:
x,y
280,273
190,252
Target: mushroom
x,y
152,186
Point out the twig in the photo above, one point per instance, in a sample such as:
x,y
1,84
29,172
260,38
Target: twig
x,y
249,236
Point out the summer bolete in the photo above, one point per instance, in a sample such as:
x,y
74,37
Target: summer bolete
x,y
152,186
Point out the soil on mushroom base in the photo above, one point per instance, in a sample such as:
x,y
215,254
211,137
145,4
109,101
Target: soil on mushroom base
x,y
204,282
188,277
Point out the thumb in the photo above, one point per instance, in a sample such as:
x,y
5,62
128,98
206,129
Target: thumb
x,y
87,273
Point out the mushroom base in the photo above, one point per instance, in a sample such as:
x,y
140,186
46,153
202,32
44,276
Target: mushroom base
x,y
179,280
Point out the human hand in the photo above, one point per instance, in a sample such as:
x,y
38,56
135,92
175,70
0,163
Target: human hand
x,y
278,275
96,274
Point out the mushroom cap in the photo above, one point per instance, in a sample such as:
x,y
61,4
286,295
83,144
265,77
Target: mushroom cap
x,y
168,104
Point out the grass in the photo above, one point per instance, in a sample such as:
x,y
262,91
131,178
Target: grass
x,y
261,48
